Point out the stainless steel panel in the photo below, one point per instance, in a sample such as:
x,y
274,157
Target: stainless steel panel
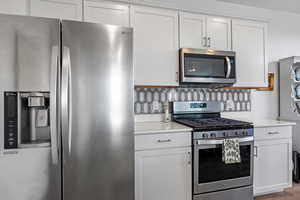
x,y
207,52
223,184
243,193
98,158
185,107
212,82
25,54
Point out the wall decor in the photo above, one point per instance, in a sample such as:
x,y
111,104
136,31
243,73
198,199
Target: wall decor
x,y
152,100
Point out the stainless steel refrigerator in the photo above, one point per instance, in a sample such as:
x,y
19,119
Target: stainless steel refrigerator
x,y
66,104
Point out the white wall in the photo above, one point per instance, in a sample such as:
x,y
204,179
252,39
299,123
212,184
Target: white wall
x,y
284,41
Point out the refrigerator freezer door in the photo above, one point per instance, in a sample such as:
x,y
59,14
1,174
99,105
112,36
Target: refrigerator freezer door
x,y
25,175
97,112
26,50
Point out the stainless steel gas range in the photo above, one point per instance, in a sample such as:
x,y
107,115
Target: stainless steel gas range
x,y
213,178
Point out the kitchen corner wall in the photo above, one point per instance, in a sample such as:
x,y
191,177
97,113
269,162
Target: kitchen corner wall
x,y
152,100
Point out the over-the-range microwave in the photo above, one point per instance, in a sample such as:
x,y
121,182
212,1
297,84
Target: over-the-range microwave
x,y
208,68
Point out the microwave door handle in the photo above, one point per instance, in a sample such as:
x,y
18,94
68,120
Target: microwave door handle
x,y
228,66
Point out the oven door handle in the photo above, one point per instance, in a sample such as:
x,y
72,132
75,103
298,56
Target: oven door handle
x,y
228,66
215,142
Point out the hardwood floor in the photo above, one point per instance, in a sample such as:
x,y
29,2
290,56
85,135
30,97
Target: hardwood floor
x,y
289,194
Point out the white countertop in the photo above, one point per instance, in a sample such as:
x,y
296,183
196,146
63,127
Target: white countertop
x,y
159,127
259,123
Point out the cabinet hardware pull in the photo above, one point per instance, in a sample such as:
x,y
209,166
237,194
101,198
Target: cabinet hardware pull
x,y
204,41
209,41
255,151
273,133
190,158
9,152
177,78
162,141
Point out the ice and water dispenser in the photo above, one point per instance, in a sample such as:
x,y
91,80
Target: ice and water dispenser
x,y
26,119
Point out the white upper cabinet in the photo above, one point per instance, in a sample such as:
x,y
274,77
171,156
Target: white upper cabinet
x,y
219,33
200,31
155,46
63,9
192,30
13,7
106,12
249,40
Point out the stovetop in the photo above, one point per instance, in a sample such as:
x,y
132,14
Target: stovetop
x,y
216,123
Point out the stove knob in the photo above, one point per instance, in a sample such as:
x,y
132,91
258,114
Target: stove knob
x,y
236,133
205,135
225,134
213,135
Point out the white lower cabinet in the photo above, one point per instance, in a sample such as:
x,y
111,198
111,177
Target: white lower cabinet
x,y
272,160
163,174
163,166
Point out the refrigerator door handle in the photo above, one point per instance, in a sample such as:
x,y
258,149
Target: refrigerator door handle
x,y
53,104
67,96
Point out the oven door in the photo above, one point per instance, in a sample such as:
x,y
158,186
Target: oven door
x,y
207,66
212,174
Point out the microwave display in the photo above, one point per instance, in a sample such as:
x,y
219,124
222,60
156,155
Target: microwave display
x,y
204,66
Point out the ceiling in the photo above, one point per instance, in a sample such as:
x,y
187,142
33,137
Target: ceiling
x,y
281,5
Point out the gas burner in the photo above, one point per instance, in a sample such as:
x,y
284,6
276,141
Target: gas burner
x,y
213,123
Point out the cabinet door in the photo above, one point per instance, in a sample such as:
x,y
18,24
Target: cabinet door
x,y
219,33
192,30
249,41
63,9
106,13
155,46
163,174
272,165
13,7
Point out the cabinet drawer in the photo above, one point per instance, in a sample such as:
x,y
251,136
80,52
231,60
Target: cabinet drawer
x,y
273,132
164,140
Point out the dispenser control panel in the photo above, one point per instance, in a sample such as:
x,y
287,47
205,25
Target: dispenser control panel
x,y
10,120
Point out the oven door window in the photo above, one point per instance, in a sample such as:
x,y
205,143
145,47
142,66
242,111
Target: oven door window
x,y
212,168
203,66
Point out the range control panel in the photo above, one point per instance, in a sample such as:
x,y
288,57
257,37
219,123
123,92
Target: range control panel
x,y
10,120
221,134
